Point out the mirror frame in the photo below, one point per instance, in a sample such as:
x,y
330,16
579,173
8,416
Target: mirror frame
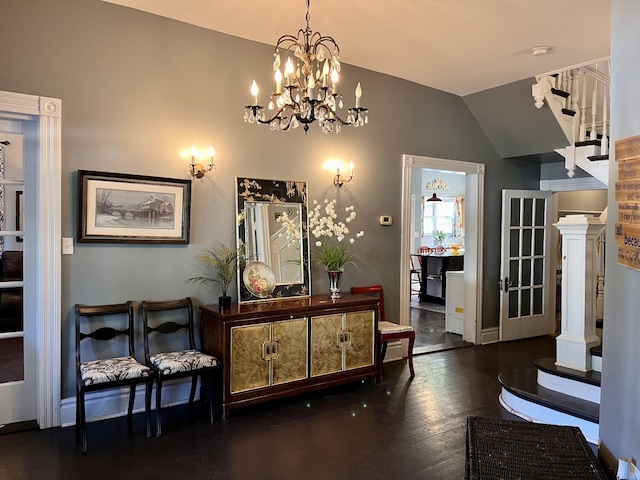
x,y
275,191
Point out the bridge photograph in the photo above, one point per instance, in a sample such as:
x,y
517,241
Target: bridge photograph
x,y
130,208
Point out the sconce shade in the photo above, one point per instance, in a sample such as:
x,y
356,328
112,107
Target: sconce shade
x,y
434,198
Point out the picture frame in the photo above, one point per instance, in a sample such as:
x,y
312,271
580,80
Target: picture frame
x,y
19,214
123,208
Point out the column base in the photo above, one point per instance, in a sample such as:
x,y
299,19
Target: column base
x,y
575,353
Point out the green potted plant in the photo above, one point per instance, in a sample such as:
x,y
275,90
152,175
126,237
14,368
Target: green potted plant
x,y
439,236
219,266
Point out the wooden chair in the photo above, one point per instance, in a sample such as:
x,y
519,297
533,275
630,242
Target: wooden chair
x,y
388,330
104,328
171,322
416,276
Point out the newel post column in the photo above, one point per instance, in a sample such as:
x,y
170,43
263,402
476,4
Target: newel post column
x,y
579,281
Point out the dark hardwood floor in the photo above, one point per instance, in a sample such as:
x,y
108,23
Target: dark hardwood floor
x,y
428,320
394,430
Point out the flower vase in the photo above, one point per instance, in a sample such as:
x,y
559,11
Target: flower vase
x,y
334,283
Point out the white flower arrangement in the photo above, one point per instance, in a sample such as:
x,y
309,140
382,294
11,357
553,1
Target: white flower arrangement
x,y
332,253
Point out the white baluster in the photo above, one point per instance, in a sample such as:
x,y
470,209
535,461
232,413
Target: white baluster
x,y
604,144
583,111
594,110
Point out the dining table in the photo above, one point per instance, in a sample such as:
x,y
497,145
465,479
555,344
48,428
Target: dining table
x,y
434,264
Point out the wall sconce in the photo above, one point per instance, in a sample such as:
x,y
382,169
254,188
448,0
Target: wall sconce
x,y
197,170
339,180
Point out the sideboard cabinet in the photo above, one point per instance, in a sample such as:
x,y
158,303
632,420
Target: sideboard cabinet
x,y
277,348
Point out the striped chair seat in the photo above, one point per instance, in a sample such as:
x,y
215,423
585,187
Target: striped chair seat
x,y
184,361
112,370
390,327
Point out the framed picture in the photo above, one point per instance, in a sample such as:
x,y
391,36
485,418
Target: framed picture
x,y
121,208
19,214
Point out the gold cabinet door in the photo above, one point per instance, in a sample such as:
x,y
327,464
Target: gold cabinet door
x,y
291,362
360,353
326,355
248,369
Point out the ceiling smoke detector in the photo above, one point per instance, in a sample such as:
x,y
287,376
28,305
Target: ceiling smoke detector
x,y
541,50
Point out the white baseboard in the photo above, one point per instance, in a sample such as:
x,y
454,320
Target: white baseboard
x,y
395,351
490,335
113,403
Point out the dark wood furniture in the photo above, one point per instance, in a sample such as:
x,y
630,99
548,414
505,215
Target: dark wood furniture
x,y
434,279
111,324
388,331
170,322
273,349
500,448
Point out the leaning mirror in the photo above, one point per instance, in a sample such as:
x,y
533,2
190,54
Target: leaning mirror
x,y
272,239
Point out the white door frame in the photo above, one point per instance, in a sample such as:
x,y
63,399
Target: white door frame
x,y
44,116
474,229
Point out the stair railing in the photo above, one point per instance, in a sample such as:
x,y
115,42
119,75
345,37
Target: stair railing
x,y
579,97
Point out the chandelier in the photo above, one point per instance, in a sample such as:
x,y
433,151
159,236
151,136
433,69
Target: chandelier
x,y
309,92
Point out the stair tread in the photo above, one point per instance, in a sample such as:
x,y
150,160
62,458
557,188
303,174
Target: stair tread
x,y
585,143
597,351
595,158
569,112
523,383
548,365
560,93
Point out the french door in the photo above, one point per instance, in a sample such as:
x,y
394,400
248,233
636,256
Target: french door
x,y
18,398
526,281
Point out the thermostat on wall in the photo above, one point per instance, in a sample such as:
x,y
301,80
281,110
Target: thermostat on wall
x,y
386,220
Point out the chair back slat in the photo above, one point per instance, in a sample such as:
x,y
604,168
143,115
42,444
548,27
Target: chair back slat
x,y
104,333
168,327
85,315
372,290
182,307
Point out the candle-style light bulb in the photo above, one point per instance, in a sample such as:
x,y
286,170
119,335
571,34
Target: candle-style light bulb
x,y
334,79
358,94
288,70
212,153
254,91
325,72
278,81
351,169
194,152
311,84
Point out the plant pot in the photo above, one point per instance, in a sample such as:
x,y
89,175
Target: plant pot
x,y
224,303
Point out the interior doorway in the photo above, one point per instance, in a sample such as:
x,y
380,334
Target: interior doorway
x,y
473,232
38,120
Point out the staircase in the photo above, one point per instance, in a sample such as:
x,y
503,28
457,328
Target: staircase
x,y
578,96
566,390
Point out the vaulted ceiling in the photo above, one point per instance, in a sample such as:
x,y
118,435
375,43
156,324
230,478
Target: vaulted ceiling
x,y
459,46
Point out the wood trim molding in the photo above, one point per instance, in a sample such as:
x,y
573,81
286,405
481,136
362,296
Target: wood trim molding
x,y
474,231
42,117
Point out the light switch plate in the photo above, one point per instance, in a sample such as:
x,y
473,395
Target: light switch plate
x,y
67,246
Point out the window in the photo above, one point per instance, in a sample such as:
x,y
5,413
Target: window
x,y
438,216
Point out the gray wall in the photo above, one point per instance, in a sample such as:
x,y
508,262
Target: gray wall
x,y
137,89
513,123
619,419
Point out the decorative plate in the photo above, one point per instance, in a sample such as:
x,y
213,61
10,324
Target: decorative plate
x,y
259,279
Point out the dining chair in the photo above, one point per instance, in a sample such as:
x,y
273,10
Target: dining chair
x,y
167,325
104,333
388,330
416,275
